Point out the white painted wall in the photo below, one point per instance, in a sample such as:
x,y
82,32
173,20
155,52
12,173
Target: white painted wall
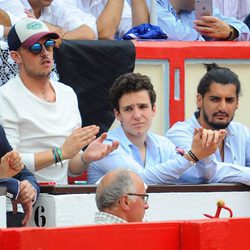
x,y
79,209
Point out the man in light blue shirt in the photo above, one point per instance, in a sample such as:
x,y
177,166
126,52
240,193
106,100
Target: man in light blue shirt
x,y
177,19
151,156
217,100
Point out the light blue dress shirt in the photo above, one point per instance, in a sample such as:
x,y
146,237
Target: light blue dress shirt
x,y
181,28
236,154
162,165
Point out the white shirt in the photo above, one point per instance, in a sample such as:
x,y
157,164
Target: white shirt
x,y
14,9
61,15
95,8
34,125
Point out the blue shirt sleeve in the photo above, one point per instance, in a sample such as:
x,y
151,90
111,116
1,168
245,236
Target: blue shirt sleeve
x,y
4,144
12,186
241,27
25,174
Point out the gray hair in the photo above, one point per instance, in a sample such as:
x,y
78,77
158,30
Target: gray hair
x,y
107,196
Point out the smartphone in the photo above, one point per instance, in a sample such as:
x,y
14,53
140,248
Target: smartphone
x,y
203,8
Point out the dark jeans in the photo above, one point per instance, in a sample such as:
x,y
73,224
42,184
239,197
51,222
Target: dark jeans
x,y
14,220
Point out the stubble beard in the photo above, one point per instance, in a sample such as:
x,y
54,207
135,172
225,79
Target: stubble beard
x,y
213,125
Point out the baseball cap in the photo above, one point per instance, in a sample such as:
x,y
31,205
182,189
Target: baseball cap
x,y
27,32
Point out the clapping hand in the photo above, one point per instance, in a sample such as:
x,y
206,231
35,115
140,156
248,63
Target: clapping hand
x,y
206,141
97,149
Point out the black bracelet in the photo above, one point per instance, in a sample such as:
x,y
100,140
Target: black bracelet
x,y
231,33
193,156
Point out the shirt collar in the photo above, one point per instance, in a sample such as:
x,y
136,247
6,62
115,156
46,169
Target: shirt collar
x,y
102,217
150,141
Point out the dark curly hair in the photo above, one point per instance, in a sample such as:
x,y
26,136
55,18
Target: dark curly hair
x,y
129,83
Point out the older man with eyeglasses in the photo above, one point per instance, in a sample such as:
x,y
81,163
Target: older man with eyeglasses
x,y
121,197
40,116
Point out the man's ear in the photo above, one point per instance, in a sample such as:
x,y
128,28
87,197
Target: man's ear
x,y
16,56
237,103
124,203
198,100
154,109
117,114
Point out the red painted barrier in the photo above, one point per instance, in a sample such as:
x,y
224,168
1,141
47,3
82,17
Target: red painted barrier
x,y
215,234
147,236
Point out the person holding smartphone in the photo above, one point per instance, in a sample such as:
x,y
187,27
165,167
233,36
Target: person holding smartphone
x,y
178,19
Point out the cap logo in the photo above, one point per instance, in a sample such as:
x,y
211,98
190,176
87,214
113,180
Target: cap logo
x,y
34,26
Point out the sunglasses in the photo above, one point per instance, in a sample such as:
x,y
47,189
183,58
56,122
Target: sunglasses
x,y
37,47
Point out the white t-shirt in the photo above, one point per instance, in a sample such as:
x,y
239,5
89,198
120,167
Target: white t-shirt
x,y
34,125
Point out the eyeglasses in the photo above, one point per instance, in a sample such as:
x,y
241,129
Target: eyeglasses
x,y
144,196
37,47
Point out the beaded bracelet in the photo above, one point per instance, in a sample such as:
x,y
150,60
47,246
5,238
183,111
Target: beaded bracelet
x,y
54,156
57,154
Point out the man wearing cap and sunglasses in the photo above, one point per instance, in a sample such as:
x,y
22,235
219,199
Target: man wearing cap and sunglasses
x,y
41,116
121,197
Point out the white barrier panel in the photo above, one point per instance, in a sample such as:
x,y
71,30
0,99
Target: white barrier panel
x,y
2,211
63,210
79,209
